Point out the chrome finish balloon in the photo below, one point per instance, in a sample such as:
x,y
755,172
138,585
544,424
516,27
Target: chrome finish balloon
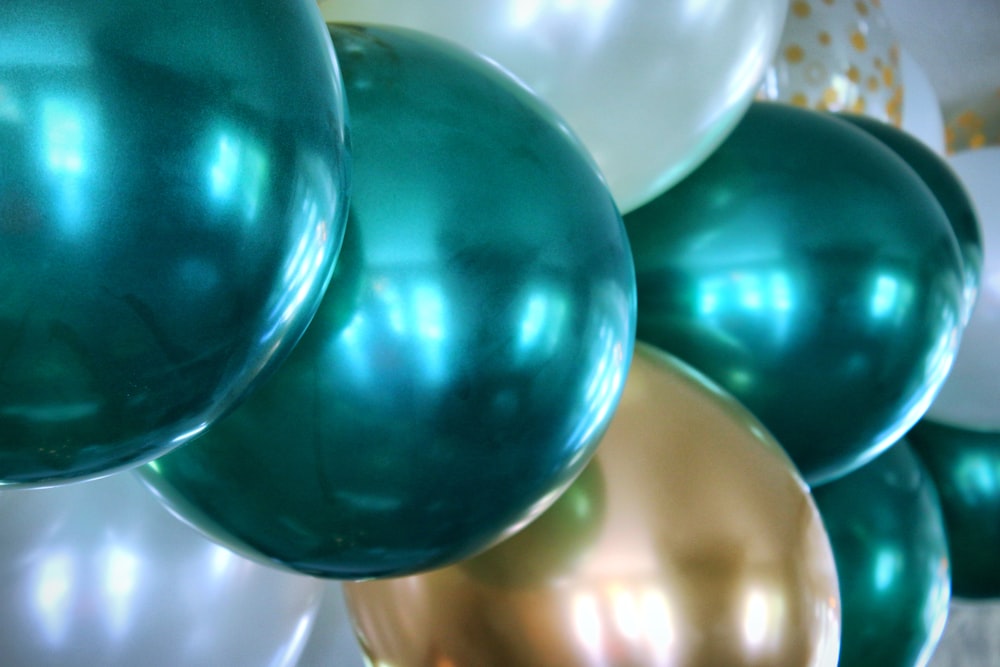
x,y
689,540
965,466
808,270
888,536
970,396
651,87
469,351
172,199
947,188
99,574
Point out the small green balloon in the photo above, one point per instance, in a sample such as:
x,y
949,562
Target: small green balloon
x,y
947,188
888,537
965,466
808,270
470,348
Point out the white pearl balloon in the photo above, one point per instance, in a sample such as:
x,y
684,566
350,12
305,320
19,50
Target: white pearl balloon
x,y
98,573
650,87
921,109
970,397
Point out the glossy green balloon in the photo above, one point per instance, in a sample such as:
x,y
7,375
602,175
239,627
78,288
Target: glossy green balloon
x,y
888,536
965,466
468,354
172,199
811,273
948,190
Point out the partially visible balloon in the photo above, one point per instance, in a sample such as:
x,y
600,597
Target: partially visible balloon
x,y
888,536
973,122
965,466
99,574
650,87
947,188
922,115
699,546
808,270
837,56
470,349
332,642
970,396
171,205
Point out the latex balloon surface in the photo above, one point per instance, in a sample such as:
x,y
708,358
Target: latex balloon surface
x,y
965,466
171,204
974,122
99,574
947,188
332,642
809,271
468,353
888,535
650,87
922,116
699,546
970,396
838,56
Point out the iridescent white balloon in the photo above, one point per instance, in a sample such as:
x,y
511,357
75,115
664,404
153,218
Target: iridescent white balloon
x,y
970,397
650,87
332,642
922,115
98,573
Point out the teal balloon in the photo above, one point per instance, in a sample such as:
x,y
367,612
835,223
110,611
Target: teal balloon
x,y
172,201
470,349
808,270
889,542
948,190
965,465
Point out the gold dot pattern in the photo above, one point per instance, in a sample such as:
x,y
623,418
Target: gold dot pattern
x,y
975,126
838,56
794,53
888,76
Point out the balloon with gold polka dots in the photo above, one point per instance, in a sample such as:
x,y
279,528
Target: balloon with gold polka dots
x,y
973,121
837,55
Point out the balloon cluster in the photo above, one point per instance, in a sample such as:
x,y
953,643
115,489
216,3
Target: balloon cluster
x,y
390,288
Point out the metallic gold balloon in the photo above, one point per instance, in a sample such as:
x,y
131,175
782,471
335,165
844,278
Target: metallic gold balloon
x,y
965,466
888,535
692,541
807,269
468,353
173,196
838,55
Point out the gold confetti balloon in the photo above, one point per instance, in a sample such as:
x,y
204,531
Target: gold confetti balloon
x,y
837,55
973,122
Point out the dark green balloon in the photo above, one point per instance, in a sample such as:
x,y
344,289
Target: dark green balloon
x,y
470,349
947,188
888,537
806,269
965,466
172,198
